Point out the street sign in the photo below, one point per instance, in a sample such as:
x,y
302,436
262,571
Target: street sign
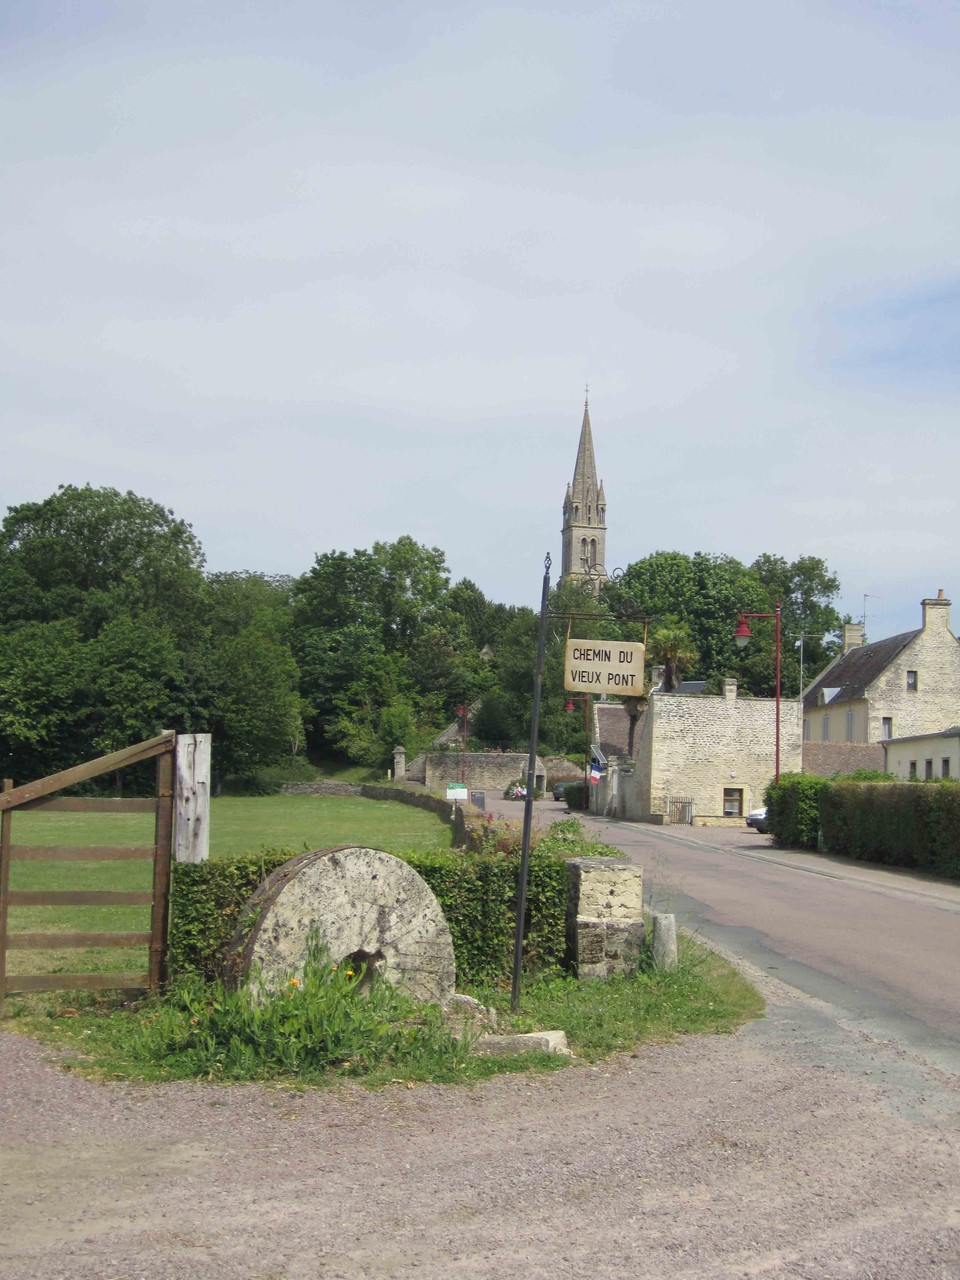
x,y
604,666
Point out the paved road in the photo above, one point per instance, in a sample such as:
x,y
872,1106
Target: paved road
x,y
880,946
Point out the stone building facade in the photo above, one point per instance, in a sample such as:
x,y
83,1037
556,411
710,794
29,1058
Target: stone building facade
x,y
716,752
905,685
584,515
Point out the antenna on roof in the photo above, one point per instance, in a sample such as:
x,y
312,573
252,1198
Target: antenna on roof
x,y
867,595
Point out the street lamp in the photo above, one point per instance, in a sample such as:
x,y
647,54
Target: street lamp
x,y
743,635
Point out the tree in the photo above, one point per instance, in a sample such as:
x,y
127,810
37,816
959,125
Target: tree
x,y
672,644
258,719
374,630
89,554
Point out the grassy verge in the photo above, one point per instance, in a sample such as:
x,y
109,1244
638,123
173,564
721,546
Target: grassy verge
x,y
704,995
237,824
324,1029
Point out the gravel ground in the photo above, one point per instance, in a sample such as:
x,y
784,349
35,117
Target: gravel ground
x,y
796,1148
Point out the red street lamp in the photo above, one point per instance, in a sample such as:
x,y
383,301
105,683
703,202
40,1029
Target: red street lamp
x,y
743,635
586,752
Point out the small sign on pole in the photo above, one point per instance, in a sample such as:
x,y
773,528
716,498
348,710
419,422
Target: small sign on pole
x,y
456,791
604,666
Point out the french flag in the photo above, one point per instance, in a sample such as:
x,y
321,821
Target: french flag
x,y
596,772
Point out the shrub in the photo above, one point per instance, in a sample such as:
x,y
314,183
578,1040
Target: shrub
x,y
793,810
326,1020
902,824
574,794
206,899
477,891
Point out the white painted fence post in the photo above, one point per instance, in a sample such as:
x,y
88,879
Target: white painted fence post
x,y
191,831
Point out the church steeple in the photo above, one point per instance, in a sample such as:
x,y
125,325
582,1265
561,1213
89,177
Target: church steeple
x,y
584,512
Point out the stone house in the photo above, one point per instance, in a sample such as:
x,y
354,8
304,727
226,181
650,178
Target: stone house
x,y
697,756
900,687
924,755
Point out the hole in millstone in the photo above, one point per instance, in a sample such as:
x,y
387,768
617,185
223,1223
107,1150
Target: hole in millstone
x,y
370,962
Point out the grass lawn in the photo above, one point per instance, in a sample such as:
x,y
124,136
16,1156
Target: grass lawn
x,y
237,825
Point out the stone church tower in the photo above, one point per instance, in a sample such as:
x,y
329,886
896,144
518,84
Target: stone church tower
x,y
584,514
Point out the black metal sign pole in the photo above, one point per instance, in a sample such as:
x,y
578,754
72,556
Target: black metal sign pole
x,y
531,783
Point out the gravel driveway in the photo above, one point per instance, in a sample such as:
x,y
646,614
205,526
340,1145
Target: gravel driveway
x,y
793,1149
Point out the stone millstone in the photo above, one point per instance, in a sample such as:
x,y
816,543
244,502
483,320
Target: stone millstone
x,y
367,906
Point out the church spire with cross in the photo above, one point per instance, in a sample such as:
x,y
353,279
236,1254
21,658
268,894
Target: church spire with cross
x,y
584,513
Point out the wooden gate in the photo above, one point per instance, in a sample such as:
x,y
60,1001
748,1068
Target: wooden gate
x,y
41,795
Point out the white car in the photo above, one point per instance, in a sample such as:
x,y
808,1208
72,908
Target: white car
x,y
757,818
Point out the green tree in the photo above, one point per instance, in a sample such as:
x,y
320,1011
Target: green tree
x,y
672,644
47,699
257,718
377,641
89,554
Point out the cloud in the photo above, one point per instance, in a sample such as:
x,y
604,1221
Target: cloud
x,y
342,274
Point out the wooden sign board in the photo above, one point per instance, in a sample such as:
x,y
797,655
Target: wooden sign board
x,y
604,666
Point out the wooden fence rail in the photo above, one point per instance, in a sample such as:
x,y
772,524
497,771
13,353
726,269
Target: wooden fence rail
x,y
40,794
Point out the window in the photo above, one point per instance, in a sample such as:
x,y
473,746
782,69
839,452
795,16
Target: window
x,y
945,767
928,770
849,726
733,802
806,730
825,729
887,727
911,682
912,771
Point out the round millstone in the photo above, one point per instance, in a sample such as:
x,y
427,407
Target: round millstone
x,y
366,906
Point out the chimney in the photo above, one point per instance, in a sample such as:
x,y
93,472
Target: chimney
x,y
852,636
936,613
730,689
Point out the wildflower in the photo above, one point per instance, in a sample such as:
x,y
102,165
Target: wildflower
x,y
349,973
294,982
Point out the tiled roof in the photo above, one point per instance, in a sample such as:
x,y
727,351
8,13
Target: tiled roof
x,y
952,732
852,674
613,727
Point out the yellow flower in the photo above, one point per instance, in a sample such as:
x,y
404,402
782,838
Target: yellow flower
x,y
294,982
349,973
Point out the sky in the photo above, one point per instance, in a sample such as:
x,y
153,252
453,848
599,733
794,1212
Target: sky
x,y
317,274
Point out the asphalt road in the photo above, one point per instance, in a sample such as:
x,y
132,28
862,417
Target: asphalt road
x,y
880,946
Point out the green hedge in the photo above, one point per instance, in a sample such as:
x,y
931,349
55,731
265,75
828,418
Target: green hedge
x,y
902,824
905,824
477,892
206,899
793,810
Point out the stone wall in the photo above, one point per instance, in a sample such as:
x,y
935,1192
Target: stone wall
x,y
697,746
827,758
559,768
486,770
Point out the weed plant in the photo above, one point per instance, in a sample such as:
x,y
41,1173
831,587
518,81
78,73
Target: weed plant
x,y
330,1019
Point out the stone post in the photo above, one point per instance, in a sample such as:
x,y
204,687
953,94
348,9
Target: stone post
x,y
605,929
399,764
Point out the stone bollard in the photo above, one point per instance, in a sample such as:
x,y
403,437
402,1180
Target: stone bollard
x,y
664,941
605,929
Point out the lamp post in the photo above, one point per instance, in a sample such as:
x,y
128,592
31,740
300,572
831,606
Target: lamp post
x,y
743,635
586,749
